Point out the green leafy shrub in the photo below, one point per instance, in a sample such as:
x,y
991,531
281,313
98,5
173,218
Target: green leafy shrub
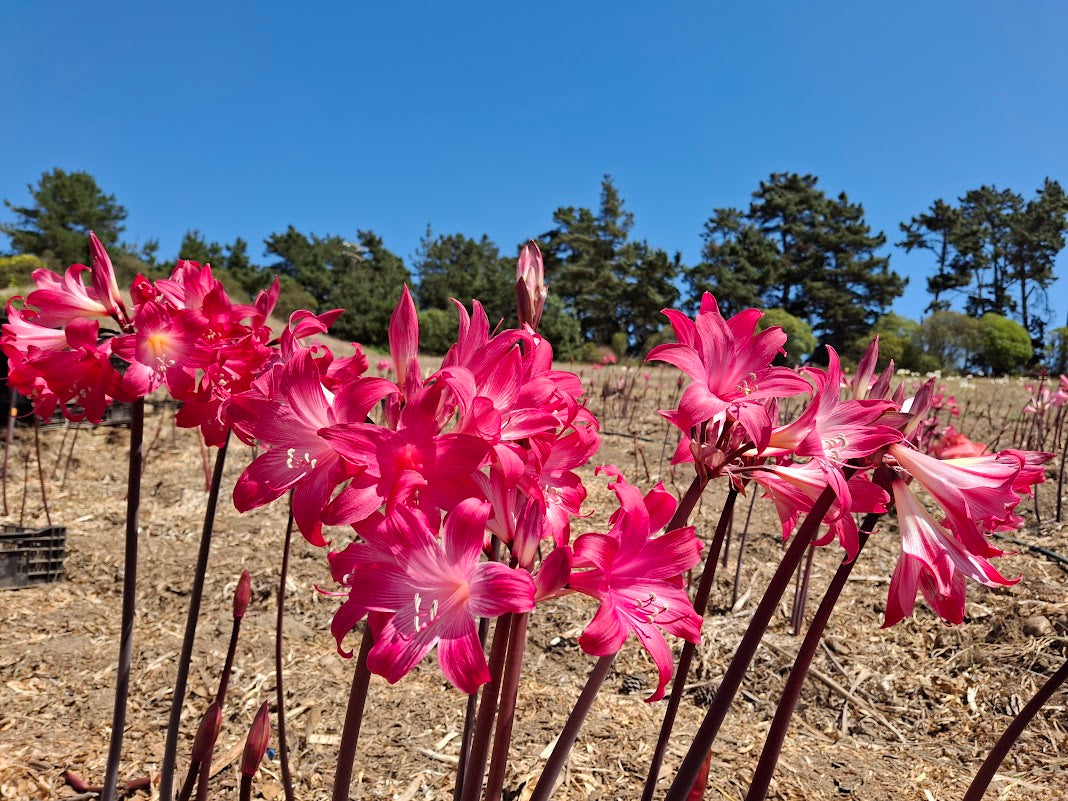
x,y
1004,344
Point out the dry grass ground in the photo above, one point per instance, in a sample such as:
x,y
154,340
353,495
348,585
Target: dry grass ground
x,y
901,714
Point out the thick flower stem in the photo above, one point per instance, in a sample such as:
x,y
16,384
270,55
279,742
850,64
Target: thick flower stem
x,y
11,413
471,709
196,594
791,693
682,670
747,648
129,599
350,733
279,685
566,741
1001,748
502,736
475,765
40,469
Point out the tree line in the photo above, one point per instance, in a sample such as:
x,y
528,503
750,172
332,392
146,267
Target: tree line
x,y
809,258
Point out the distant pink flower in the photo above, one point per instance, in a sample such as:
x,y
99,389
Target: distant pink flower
x,y
637,578
952,444
424,591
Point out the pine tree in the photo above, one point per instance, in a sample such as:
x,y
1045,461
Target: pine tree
x,y
66,207
608,283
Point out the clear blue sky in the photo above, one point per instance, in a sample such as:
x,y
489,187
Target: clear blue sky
x,y
239,119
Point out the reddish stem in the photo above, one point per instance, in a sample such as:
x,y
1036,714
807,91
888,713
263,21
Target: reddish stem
x,y
747,648
502,737
350,733
1001,748
791,693
129,600
682,670
476,760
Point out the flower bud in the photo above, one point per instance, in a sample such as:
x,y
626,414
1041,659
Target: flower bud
x,y
207,733
256,744
242,595
103,275
530,289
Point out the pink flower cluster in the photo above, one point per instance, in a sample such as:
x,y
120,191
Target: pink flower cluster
x,y
864,446
77,347
434,473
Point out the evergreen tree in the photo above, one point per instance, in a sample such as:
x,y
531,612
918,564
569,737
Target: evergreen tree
x,y
307,260
795,249
738,265
1037,236
938,230
606,282
195,248
854,286
985,240
996,248
454,266
368,279
66,206
789,210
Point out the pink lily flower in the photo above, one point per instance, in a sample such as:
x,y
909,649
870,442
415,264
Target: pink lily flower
x,y
104,283
417,463
637,578
795,488
730,365
933,561
530,288
832,429
83,374
290,417
976,493
424,591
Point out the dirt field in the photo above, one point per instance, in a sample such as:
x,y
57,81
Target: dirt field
x,y
901,714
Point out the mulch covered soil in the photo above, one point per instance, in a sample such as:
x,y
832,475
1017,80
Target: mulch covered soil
x,y
905,713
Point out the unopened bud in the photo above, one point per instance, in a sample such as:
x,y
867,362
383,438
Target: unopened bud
x,y
256,744
530,289
207,733
242,595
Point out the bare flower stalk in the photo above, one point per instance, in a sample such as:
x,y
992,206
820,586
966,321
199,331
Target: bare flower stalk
x,y
743,656
475,765
1001,748
129,599
502,736
350,733
566,741
704,590
283,750
791,693
196,594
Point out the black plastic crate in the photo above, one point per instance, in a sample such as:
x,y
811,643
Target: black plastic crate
x,y
31,557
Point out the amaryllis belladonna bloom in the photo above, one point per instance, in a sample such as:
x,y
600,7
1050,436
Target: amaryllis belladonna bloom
x,y
637,577
425,590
